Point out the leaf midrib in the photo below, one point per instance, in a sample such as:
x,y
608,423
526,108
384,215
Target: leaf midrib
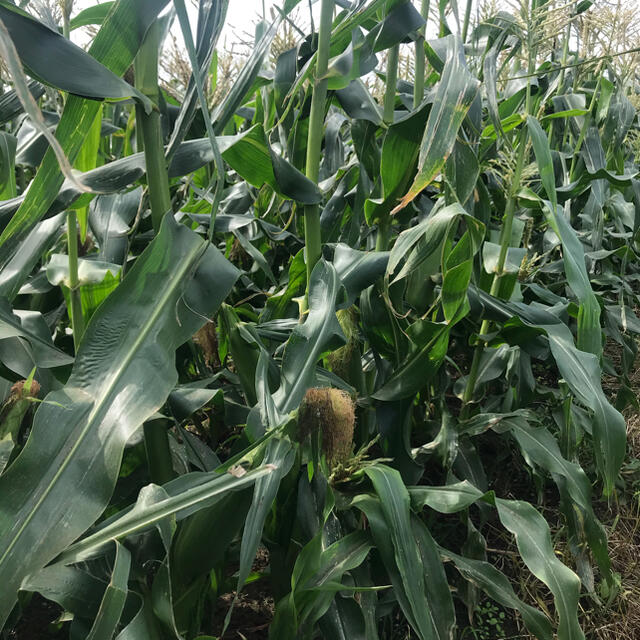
x,y
142,335
162,509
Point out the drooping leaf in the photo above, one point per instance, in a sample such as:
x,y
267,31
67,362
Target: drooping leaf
x,y
456,91
534,543
114,47
581,371
189,494
18,324
55,60
311,339
497,586
394,506
177,281
211,18
589,334
252,157
91,15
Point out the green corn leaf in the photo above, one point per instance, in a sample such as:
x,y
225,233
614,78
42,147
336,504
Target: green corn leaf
x,y
280,454
153,506
318,573
252,157
497,586
144,624
343,555
456,274
398,162
247,152
411,597
422,244
428,347
110,217
91,15
96,281
8,145
128,346
372,508
394,504
53,59
534,543
542,448
88,159
358,102
532,537
344,621
10,105
17,325
358,269
311,339
192,555
114,47
581,371
211,18
449,498
589,334
462,171
435,581
75,590
456,91
243,83
39,240
108,617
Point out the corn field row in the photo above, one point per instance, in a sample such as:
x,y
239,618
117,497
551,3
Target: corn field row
x,y
357,334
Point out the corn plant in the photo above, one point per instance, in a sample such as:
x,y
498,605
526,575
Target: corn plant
x,y
356,336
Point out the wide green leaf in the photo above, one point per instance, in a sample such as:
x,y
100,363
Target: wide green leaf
x,y
534,543
497,586
155,504
115,47
394,502
53,59
456,91
127,348
589,335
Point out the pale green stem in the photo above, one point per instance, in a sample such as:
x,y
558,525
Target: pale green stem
x,y
418,85
505,241
146,80
156,444
382,239
312,236
157,179
66,16
392,83
505,238
149,125
75,302
467,19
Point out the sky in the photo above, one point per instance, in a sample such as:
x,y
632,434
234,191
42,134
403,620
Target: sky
x,y
241,17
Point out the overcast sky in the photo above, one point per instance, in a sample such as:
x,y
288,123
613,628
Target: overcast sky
x,y
241,17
